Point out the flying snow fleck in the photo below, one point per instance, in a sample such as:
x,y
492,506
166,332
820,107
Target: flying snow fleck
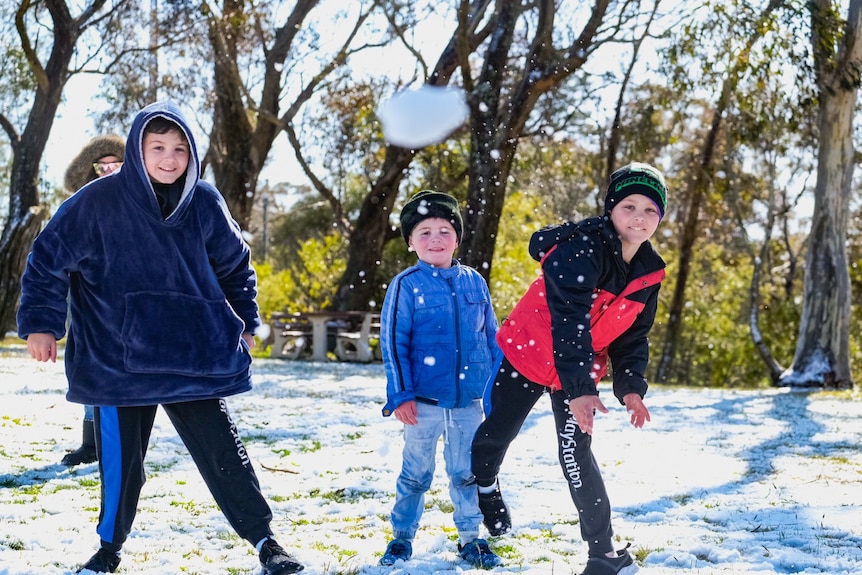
x,y
263,331
422,117
430,360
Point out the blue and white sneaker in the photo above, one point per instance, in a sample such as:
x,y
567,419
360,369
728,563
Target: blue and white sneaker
x,y
478,554
397,550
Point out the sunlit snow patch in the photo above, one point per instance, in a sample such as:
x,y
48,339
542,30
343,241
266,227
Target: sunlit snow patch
x,y
421,117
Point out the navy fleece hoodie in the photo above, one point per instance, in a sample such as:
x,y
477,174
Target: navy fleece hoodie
x,y
158,304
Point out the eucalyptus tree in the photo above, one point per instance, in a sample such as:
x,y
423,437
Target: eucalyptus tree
x,y
507,55
534,48
44,44
372,228
260,62
722,41
822,349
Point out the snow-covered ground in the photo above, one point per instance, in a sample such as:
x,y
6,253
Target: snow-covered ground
x,y
721,482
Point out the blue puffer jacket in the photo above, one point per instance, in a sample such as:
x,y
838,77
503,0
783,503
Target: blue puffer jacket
x,y
158,305
438,336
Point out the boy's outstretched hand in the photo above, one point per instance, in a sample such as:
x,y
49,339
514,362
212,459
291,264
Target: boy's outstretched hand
x,y
636,408
42,346
583,409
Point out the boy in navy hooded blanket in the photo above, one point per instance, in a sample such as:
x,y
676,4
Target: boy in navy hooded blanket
x,y
163,309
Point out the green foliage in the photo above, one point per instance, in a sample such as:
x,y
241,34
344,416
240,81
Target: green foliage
x,y
272,290
513,269
309,283
716,348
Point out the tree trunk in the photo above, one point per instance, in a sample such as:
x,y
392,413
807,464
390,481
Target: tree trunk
x,y
14,247
370,233
499,113
25,213
238,148
822,350
695,191
372,229
822,357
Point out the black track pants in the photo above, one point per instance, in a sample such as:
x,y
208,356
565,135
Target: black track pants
x,y
206,429
512,398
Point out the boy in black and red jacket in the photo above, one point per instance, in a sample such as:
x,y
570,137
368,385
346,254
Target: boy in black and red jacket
x,y
594,301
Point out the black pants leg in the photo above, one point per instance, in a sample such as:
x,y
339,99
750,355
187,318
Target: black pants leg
x,y
122,436
212,439
584,478
512,398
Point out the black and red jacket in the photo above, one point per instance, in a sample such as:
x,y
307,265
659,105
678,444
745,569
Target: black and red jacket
x,y
587,306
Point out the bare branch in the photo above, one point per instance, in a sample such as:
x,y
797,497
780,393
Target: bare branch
x,y
10,130
338,210
27,47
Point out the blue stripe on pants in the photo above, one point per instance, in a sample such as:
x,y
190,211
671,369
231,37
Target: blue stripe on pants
x,y
110,465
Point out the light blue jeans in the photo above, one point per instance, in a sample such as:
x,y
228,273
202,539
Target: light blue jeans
x,y
457,427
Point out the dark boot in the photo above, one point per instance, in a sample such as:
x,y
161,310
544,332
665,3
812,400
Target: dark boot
x,y
495,512
87,452
103,561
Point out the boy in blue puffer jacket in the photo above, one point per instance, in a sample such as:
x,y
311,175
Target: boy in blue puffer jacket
x,y
438,338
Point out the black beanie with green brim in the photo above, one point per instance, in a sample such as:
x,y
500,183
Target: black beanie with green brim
x,y
430,204
637,178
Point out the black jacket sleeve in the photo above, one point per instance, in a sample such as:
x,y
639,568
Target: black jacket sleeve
x,y
629,353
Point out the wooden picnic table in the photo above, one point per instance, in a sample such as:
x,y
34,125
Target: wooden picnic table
x,y
350,332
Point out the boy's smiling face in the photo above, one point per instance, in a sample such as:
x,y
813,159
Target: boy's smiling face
x,y
635,218
166,156
434,240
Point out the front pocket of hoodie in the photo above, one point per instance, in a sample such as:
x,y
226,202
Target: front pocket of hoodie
x,y
182,334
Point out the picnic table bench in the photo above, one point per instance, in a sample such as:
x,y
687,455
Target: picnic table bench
x,y
313,335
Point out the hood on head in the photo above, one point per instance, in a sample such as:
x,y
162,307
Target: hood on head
x,y
133,167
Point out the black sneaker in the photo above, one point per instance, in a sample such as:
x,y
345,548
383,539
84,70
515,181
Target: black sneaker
x,y
495,513
276,561
103,561
622,564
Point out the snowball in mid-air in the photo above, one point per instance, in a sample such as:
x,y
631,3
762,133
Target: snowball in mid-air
x,y
422,117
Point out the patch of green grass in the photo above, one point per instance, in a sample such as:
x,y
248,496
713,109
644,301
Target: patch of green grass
x,y
315,446
14,544
641,553
258,438
154,468
506,551
839,459
33,489
682,499
189,506
444,505
338,552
